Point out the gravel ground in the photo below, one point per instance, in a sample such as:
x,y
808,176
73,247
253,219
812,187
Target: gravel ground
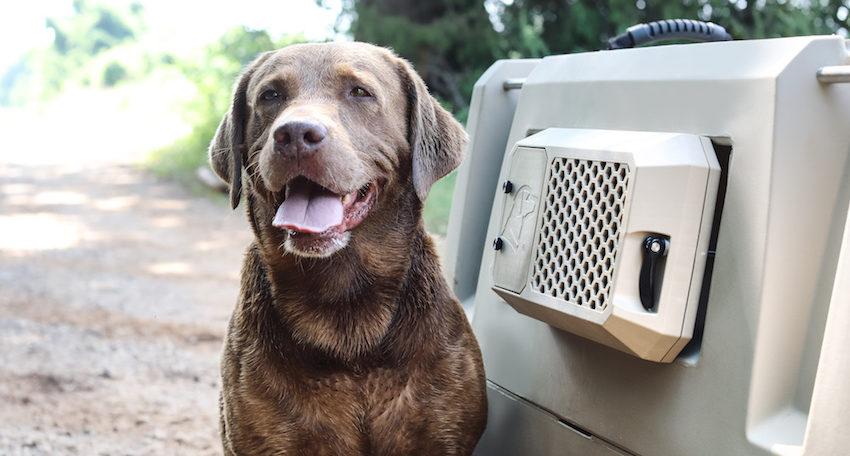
x,y
115,290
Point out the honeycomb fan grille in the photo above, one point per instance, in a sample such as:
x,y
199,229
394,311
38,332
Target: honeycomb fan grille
x,y
580,231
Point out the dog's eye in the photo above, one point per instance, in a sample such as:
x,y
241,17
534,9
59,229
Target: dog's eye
x,y
270,95
360,92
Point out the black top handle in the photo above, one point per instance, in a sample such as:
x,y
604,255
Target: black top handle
x,y
669,29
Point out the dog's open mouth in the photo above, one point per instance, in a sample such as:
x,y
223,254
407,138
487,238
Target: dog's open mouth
x,y
310,209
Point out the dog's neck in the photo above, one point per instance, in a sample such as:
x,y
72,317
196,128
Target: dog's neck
x,y
365,303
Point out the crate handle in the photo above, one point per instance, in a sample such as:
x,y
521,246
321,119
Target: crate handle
x,y
839,74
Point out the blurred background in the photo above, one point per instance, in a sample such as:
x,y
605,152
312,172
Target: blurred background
x,y
173,62
118,265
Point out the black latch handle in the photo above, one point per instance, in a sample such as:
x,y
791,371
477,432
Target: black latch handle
x,y
655,248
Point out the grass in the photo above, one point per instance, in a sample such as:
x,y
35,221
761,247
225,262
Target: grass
x,y
439,204
180,160
177,161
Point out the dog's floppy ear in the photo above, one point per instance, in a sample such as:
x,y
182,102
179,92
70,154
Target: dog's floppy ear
x,y
436,139
227,146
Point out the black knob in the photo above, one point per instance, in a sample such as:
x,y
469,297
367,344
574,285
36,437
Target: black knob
x,y
498,243
508,186
654,248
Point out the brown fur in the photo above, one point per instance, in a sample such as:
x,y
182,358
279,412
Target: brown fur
x,y
365,351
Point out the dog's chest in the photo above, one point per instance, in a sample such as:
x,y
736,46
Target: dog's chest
x,y
374,393
382,407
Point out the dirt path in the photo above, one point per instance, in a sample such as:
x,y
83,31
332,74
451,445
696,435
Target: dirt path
x,y
115,290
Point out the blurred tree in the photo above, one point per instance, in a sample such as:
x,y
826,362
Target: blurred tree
x,y
113,74
585,25
94,28
91,29
451,42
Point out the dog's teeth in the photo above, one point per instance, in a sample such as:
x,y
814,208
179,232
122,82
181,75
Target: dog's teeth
x,y
363,190
292,232
347,199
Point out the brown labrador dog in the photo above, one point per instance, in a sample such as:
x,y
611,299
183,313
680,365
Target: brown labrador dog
x,y
346,339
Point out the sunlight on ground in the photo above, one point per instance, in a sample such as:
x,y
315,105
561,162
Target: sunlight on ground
x,y
116,203
28,232
170,268
61,198
169,204
66,198
167,222
205,246
17,189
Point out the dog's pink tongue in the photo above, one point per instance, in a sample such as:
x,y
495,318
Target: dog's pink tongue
x,y
308,208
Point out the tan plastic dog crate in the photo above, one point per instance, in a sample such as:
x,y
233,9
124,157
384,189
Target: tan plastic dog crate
x,y
653,247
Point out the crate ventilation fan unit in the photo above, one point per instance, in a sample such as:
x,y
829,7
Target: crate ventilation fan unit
x,y
605,234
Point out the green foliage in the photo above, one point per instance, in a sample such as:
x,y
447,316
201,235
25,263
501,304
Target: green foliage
x,y
113,74
93,29
79,53
451,42
591,23
212,73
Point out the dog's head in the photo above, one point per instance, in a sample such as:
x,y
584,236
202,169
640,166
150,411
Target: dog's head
x,y
328,136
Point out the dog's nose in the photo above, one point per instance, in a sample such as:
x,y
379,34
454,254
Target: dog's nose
x,y
299,138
